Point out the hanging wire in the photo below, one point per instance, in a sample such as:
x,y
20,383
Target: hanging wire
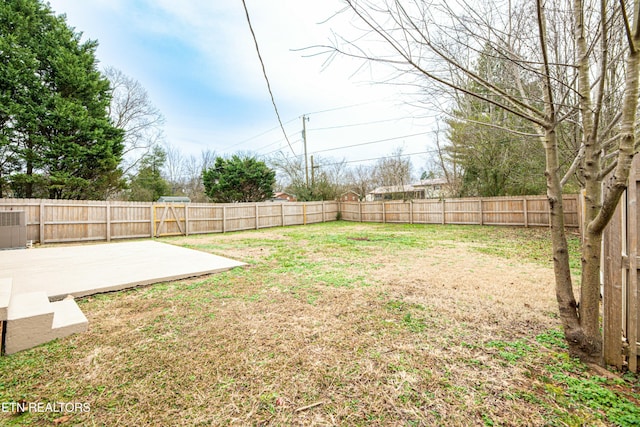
x,y
264,72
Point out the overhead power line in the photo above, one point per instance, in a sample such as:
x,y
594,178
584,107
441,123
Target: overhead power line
x,y
280,150
316,129
344,107
371,142
360,124
376,158
258,135
264,72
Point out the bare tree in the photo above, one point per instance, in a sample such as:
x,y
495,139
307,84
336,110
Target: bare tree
x,y
131,109
193,167
393,171
564,57
174,169
290,172
360,179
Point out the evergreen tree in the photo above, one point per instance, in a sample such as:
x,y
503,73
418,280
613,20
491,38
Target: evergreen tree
x,y
148,185
496,161
239,179
56,137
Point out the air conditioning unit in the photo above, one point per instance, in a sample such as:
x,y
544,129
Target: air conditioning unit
x,y
13,230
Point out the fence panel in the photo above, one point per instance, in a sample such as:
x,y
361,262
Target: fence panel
x,y
462,211
293,214
372,212
128,220
330,211
621,272
314,213
71,223
350,211
614,287
205,218
270,215
498,211
427,212
397,212
240,216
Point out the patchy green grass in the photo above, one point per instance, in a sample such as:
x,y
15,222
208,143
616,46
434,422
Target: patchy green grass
x,y
331,324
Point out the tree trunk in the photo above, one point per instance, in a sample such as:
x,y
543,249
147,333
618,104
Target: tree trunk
x,y
590,342
564,288
28,189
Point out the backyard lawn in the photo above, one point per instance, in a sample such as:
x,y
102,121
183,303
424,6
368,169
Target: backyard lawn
x,y
331,324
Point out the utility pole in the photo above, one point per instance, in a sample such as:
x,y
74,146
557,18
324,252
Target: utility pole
x,y
305,119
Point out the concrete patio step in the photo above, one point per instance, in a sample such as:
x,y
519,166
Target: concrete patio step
x,y
33,320
5,296
67,319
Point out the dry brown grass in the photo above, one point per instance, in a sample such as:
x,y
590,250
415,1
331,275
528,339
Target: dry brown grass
x,y
335,324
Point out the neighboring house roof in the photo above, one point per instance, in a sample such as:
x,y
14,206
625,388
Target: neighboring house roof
x,y
431,182
174,199
409,188
350,192
282,193
394,189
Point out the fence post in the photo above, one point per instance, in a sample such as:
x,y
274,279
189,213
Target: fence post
x,y
481,213
444,212
384,213
304,213
224,219
152,221
360,210
108,208
411,211
581,215
186,220
323,211
42,239
282,212
257,216
526,212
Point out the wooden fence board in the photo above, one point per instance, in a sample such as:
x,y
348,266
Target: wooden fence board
x,y
632,282
620,264
613,290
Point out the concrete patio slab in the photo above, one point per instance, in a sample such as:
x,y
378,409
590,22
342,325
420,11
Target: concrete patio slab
x,y
88,269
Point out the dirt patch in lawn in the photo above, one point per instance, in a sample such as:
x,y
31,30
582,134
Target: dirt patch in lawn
x,y
328,325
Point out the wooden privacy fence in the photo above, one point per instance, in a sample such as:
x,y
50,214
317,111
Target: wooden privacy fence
x,y
529,211
620,265
58,221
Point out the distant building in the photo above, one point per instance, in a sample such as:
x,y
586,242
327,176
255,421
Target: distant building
x,y
281,196
434,188
350,196
174,199
425,189
395,192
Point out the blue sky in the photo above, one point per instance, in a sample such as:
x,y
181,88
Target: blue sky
x,y
197,60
